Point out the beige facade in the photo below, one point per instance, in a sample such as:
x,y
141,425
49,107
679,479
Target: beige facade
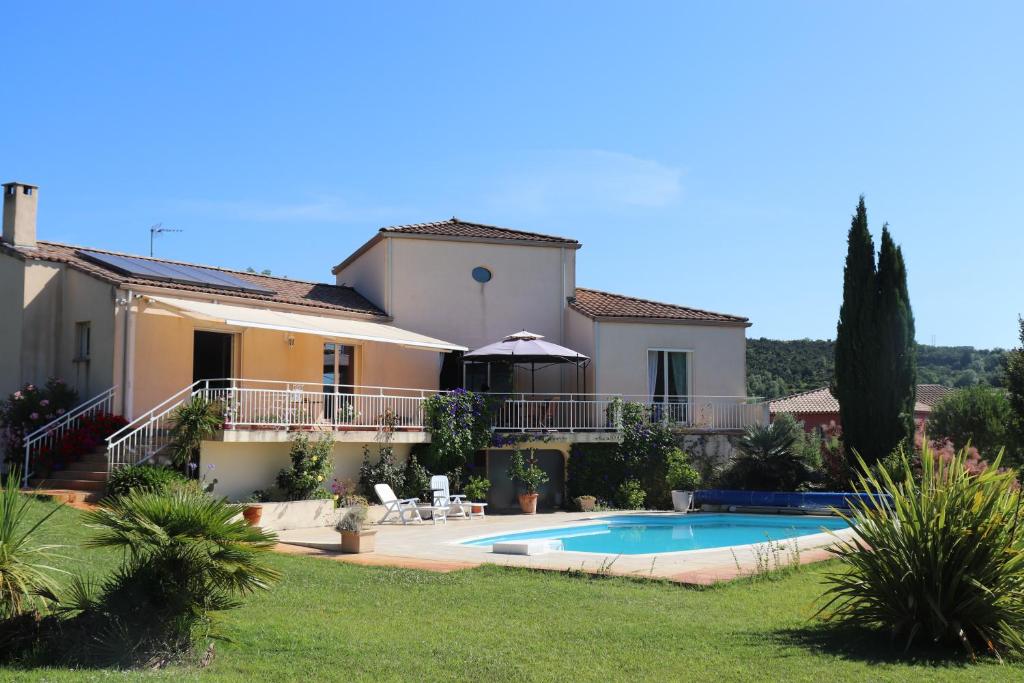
x,y
46,308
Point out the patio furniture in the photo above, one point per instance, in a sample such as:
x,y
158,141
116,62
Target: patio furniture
x,y
406,509
455,505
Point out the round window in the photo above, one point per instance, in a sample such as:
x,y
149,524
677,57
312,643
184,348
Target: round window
x,y
481,274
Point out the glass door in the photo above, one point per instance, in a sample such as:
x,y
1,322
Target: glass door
x,y
668,381
338,376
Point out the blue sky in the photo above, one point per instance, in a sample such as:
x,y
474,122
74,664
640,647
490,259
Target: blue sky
x,y
708,154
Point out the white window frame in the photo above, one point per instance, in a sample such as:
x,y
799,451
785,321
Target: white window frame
x,y
664,360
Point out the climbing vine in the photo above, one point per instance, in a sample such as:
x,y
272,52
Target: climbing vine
x,y
460,424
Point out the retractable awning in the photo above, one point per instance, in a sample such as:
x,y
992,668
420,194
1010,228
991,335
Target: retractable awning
x,y
302,323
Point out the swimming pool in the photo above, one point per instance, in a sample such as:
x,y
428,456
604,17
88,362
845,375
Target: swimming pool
x,y
645,534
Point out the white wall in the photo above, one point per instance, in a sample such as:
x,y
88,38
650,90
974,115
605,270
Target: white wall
x,y
368,275
717,362
242,468
435,293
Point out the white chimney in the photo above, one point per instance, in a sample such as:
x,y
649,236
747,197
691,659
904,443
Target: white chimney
x,y
20,214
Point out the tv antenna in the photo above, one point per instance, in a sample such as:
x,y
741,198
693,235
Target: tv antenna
x,y
156,230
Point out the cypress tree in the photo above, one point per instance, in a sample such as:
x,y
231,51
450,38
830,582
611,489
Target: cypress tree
x,y
896,372
856,348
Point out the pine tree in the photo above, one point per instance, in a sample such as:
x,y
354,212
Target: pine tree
x,y
896,372
856,348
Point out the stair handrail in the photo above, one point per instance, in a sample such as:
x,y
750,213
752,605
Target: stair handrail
x,y
59,426
155,412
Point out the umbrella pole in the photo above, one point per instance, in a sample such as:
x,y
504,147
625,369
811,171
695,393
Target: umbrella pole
x,y
533,378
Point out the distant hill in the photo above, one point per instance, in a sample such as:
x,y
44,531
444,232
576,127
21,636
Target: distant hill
x,y
777,368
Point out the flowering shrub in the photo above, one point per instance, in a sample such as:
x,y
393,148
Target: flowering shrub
x,y
311,465
31,407
88,436
459,423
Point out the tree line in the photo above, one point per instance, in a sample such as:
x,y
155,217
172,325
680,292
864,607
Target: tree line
x,y
778,367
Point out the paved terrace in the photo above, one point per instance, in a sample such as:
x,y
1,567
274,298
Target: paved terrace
x,y
436,547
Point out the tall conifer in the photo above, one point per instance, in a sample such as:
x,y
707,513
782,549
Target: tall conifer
x,y
856,348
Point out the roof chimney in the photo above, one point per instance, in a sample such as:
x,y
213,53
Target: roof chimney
x,y
20,214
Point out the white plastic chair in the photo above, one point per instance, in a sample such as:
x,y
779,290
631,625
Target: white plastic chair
x,y
456,505
406,509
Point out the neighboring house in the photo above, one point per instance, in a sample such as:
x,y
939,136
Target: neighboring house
x,y
818,408
283,354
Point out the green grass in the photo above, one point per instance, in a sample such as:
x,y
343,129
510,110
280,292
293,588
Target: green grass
x,y
332,621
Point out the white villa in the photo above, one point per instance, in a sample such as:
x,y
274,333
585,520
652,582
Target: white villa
x,y
137,336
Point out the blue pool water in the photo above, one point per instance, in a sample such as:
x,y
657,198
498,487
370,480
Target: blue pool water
x,y
642,534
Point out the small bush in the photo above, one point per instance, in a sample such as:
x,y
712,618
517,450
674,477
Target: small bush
x,y
981,416
630,495
311,465
138,477
384,471
353,519
476,489
415,480
527,472
682,476
943,562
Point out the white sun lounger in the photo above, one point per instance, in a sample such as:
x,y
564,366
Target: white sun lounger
x,y
406,509
457,505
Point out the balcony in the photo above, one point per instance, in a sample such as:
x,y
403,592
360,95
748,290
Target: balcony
x,y
267,405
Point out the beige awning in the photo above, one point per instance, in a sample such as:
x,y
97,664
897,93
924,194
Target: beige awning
x,y
302,323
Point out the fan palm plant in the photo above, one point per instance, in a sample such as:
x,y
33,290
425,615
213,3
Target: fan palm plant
x,y
186,555
24,579
192,422
940,560
767,460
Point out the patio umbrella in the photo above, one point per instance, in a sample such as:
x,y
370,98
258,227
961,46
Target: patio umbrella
x,y
528,347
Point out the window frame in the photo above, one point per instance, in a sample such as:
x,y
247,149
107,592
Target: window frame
x,y
663,364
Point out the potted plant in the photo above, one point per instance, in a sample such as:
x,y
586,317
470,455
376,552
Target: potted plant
x,y
682,479
354,538
530,476
253,510
476,490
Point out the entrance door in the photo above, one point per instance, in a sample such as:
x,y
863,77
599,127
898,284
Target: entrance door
x,y
212,357
339,374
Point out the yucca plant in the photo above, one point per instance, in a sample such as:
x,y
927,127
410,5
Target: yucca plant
x,y
939,560
25,583
192,422
187,555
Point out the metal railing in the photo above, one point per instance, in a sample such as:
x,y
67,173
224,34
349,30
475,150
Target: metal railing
x,y
556,412
149,433
50,434
264,404
267,404
706,412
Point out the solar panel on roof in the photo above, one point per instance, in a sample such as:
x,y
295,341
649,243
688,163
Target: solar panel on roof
x,y
172,272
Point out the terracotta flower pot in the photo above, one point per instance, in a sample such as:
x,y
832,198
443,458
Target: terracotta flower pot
x,y
478,509
358,541
528,503
252,514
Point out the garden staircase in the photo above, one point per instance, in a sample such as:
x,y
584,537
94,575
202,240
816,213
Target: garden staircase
x,y
82,480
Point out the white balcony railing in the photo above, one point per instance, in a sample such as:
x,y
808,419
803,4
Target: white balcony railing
x,y
264,404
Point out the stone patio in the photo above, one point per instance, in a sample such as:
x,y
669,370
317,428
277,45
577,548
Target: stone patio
x,y
437,548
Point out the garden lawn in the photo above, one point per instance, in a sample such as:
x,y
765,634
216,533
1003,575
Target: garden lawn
x,y
332,621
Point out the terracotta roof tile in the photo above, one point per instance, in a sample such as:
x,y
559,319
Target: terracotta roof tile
x,y
931,394
597,304
454,227
822,401
286,291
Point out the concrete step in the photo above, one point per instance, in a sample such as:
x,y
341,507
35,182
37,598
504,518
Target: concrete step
x,y
75,473
65,495
70,484
87,466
